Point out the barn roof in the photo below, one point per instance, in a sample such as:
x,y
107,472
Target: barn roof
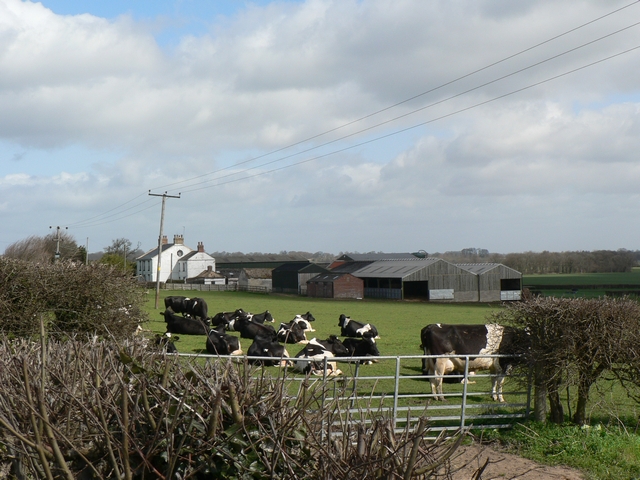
x,y
350,267
297,267
258,273
328,277
395,268
260,258
482,268
372,257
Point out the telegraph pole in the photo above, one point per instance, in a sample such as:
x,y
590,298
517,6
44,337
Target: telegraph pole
x,y
164,199
58,239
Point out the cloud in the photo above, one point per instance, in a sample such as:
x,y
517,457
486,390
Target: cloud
x,y
210,117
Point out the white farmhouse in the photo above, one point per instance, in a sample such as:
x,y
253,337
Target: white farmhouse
x,y
179,261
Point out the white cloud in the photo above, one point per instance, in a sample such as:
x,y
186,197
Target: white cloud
x,y
277,75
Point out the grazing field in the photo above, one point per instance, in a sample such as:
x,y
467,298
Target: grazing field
x,y
399,323
588,285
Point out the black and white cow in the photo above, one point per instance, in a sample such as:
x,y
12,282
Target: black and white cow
x,y
490,339
225,317
311,358
303,322
221,343
196,307
166,342
308,316
362,347
262,317
175,303
267,347
184,325
351,328
291,332
251,329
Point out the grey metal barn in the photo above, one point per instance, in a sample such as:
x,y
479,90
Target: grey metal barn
x,y
437,279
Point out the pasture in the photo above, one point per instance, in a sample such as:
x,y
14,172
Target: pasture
x,y
588,285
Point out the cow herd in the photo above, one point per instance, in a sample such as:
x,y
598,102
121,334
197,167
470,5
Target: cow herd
x,y
188,316
459,347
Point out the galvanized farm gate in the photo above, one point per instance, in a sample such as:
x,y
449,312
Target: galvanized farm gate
x,y
404,395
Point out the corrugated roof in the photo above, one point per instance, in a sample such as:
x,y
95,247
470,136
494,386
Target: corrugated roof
x,y
327,277
481,268
395,268
350,267
257,273
373,257
261,258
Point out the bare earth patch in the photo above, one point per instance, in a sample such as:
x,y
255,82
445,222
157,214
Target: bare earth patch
x,y
504,466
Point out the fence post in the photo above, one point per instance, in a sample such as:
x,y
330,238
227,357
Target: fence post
x,y
465,384
395,392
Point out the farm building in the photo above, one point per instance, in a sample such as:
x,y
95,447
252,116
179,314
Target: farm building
x,y
257,261
496,282
208,277
335,285
436,279
256,279
292,277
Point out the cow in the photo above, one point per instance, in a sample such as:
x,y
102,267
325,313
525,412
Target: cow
x,y
262,317
166,342
196,307
291,332
175,303
250,329
311,358
351,328
308,316
225,317
267,347
362,347
490,339
221,343
184,325
303,322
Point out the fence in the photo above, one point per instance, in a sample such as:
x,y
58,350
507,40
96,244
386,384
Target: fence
x,y
213,288
403,394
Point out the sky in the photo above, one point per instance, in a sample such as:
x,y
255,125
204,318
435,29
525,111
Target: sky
x,y
322,125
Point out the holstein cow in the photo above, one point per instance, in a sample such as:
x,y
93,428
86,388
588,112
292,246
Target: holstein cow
x,y
303,322
175,303
291,332
250,329
221,343
267,347
196,307
166,342
311,358
225,317
362,347
490,339
262,317
351,328
184,325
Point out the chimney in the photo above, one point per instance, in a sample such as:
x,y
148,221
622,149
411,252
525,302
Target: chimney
x,y
209,268
200,247
178,240
164,240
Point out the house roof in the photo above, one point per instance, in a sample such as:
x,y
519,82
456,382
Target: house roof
x,y
154,251
209,274
194,253
395,268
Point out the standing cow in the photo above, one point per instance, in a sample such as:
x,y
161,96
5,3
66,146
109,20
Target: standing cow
x,y
490,339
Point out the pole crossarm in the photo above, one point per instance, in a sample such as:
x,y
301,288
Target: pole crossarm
x,y
164,199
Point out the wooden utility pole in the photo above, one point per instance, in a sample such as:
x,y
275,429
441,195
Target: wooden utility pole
x,y
164,199
58,239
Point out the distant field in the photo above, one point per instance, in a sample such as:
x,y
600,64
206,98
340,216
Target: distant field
x,y
587,285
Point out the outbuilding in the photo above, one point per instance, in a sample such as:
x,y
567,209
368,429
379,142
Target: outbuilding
x,y
496,282
335,285
255,279
292,277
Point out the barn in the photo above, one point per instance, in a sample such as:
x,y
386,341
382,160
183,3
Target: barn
x,y
335,285
496,282
438,280
255,279
292,277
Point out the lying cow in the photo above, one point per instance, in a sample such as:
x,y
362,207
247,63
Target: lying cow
x,y
490,339
303,322
225,317
166,342
351,328
267,347
251,329
261,317
221,343
291,332
362,347
311,358
184,325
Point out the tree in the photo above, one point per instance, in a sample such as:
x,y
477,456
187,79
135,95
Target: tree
x,y
574,341
42,249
